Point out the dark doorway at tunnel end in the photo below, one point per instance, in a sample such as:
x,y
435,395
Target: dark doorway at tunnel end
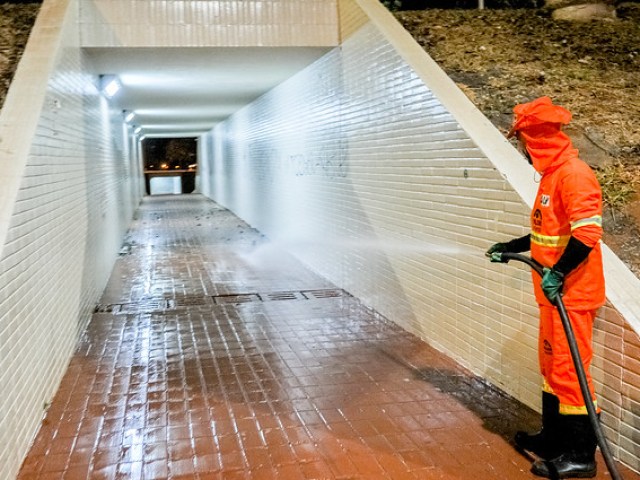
x,y
170,165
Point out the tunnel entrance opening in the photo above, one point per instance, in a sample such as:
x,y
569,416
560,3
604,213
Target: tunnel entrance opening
x,y
170,165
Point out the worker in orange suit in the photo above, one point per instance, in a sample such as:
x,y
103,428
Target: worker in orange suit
x,y
566,228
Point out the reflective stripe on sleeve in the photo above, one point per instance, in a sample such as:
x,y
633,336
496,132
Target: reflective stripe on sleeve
x,y
597,220
574,410
550,240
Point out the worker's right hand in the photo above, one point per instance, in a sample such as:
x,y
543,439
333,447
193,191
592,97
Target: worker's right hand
x,y
495,252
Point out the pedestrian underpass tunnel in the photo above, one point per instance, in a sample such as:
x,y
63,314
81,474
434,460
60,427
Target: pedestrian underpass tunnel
x,y
322,126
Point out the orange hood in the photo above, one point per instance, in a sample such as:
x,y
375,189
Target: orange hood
x,y
539,124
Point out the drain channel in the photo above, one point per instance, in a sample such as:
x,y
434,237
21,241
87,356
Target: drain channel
x,y
167,304
236,298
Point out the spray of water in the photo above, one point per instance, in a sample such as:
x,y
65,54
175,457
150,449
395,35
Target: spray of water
x,y
397,247
272,251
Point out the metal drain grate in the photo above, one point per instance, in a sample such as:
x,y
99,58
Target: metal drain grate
x,y
237,298
327,293
189,301
275,296
132,308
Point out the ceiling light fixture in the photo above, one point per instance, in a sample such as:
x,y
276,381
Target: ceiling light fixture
x,y
128,116
110,85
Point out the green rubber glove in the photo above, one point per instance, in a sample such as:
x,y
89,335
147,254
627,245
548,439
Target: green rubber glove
x,y
551,284
495,252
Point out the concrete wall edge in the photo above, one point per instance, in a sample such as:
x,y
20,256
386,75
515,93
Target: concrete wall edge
x,y
17,123
486,136
622,287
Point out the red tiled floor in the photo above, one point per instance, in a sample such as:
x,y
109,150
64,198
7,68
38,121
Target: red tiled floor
x,y
176,378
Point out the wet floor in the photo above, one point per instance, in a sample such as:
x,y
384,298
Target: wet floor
x,y
215,355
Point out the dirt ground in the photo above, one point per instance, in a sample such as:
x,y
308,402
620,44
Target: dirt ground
x,y
503,57
16,21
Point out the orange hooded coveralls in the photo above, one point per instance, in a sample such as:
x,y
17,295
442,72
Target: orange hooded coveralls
x,y
568,203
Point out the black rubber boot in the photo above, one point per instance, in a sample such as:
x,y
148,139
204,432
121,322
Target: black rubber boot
x,y
545,443
579,448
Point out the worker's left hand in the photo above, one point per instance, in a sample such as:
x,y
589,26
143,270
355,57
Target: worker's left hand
x,y
551,284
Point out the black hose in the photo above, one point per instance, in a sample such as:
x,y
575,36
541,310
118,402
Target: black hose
x,y
577,362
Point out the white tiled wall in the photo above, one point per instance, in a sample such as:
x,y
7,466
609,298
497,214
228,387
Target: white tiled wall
x,y
357,167
75,195
219,23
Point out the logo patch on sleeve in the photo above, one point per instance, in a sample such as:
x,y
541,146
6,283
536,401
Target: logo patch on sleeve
x,y
545,200
536,220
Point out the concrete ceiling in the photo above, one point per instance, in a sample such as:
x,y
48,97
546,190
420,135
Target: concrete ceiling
x,y
181,92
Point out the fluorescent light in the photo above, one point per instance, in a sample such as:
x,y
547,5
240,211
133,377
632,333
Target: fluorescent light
x,y
110,85
137,130
112,88
128,116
